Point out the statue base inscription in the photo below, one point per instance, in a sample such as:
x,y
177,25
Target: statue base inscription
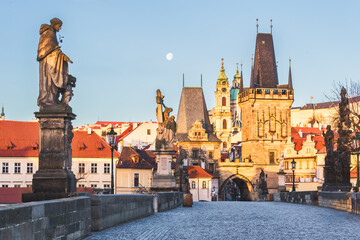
x,y
54,179
163,179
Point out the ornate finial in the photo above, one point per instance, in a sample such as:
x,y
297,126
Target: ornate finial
x,y
222,61
2,111
257,25
241,64
252,59
183,80
237,67
271,25
290,61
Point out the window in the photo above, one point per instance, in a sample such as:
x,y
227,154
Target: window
x,y
286,165
224,101
272,157
224,124
29,168
5,167
106,185
203,184
195,153
81,167
193,185
136,179
17,167
94,185
106,167
17,185
210,154
81,185
149,132
5,185
28,185
211,167
94,168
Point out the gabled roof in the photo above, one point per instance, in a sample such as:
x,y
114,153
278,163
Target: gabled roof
x,y
265,72
21,139
316,137
198,172
145,159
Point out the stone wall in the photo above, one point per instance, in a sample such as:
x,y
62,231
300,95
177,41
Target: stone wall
x,y
111,210
62,218
308,197
343,201
169,200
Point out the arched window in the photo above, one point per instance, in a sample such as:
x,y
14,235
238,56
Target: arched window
x,y
224,101
224,124
193,184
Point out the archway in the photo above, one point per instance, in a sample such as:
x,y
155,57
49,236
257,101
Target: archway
x,y
236,188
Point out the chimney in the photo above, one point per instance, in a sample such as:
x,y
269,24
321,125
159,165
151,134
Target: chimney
x,y
300,133
89,131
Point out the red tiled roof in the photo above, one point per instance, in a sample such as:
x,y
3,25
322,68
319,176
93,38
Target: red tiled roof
x,y
124,134
24,139
198,172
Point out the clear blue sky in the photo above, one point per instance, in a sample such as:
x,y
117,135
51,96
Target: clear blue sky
x,y
119,49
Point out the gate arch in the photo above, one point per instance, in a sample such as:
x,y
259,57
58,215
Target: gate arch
x,y
243,183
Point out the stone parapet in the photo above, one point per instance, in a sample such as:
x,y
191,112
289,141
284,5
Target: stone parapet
x,y
169,200
343,201
68,218
110,210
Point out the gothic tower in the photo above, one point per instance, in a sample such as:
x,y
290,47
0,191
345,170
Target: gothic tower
x,y
222,114
265,112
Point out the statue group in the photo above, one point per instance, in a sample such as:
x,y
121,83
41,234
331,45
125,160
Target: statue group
x,y
54,78
337,163
165,133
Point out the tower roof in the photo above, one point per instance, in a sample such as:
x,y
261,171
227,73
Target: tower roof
x,y
222,77
290,76
192,107
265,72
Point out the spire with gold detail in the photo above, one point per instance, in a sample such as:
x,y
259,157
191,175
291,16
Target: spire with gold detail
x,y
222,79
2,116
241,86
290,85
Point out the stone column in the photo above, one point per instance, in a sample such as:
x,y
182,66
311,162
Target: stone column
x,y
281,181
54,179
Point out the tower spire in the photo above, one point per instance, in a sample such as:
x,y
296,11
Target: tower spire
x,y
222,76
290,85
2,115
241,87
271,26
257,26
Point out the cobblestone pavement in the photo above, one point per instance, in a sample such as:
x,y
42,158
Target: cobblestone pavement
x,y
240,220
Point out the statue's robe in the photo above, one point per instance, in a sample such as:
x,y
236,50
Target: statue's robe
x,y
53,70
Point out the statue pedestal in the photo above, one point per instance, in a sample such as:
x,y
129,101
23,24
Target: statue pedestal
x,y
281,181
54,179
163,179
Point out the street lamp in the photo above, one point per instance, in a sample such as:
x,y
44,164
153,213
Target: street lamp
x,y
357,152
111,140
293,166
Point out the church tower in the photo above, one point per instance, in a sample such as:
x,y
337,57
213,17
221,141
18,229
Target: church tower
x,y
222,114
265,112
237,86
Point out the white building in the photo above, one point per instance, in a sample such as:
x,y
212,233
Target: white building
x,y
204,186
142,136
19,150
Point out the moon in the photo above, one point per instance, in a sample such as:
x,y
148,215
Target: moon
x,y
169,56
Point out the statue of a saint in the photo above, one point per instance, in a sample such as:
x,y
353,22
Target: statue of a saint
x,y
329,140
281,162
54,78
166,125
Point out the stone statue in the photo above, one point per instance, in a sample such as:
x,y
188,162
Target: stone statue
x,y
262,186
329,140
54,78
281,163
166,125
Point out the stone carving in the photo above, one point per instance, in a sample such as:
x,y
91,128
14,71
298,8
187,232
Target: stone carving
x,y
166,125
281,163
54,78
262,186
329,140
337,163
